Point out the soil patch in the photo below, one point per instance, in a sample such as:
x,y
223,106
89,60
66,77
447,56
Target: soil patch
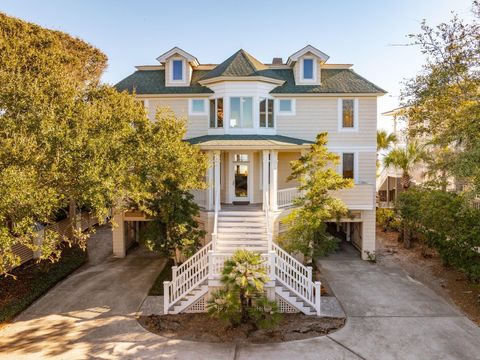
x,y
427,267
202,327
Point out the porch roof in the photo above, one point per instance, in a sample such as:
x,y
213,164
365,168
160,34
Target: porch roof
x,y
228,141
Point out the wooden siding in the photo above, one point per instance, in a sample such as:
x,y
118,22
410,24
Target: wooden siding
x,y
284,169
360,197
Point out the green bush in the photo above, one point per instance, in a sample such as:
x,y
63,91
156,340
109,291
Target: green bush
x,y
33,280
387,220
448,223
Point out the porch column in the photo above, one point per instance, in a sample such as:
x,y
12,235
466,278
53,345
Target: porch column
x,y
210,181
265,179
118,236
216,159
273,179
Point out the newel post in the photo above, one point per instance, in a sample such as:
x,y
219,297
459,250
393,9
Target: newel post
x,y
166,296
210,264
272,265
317,296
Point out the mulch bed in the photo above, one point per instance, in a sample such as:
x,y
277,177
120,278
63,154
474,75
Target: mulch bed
x,y
202,327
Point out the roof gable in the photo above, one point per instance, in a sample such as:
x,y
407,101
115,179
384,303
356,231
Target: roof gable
x,y
307,49
176,50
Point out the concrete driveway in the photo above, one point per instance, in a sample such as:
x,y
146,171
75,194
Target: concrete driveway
x,y
92,315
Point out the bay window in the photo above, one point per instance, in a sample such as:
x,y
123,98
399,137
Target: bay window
x,y
216,113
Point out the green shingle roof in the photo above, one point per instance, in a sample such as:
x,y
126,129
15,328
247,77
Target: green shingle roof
x,y
332,81
240,64
246,140
153,82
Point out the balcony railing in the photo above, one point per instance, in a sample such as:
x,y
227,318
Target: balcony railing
x,y
286,197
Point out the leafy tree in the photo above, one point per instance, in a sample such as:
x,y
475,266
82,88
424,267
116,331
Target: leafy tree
x,y
317,176
66,142
243,300
384,142
166,173
442,101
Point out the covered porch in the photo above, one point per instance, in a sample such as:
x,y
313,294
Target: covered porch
x,y
249,170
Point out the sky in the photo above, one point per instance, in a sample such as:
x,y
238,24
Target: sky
x,y
369,34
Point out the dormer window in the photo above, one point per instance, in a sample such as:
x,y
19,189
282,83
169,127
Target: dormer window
x,y
177,70
307,72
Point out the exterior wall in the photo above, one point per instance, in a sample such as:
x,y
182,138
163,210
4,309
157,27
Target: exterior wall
x,y
118,237
284,169
360,197
368,233
197,125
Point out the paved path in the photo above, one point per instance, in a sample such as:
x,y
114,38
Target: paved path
x,y
92,315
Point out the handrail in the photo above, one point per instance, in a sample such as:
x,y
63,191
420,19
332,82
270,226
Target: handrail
x,y
215,230
267,221
286,197
186,277
296,277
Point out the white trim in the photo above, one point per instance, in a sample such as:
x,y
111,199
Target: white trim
x,y
309,48
340,115
205,106
285,113
314,70
176,50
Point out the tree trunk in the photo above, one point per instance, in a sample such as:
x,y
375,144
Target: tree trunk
x,y
244,306
406,237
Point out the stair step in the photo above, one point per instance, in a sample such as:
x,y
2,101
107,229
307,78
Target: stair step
x,y
241,224
235,229
242,235
242,213
227,249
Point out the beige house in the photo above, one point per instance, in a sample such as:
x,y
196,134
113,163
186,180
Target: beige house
x,y
252,119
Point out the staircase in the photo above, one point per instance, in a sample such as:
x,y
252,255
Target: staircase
x,y
241,230
248,230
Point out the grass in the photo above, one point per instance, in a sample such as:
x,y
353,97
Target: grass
x,y
165,275
34,279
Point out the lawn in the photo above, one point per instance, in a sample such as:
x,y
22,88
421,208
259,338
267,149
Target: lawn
x,y
165,275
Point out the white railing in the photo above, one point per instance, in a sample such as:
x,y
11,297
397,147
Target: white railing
x,y
286,197
476,203
296,277
217,261
200,197
267,221
186,277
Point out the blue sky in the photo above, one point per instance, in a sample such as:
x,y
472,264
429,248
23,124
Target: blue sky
x,y
358,32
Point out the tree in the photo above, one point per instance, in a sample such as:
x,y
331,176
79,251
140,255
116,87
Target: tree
x,y
167,173
384,142
243,299
65,142
442,101
316,174
405,159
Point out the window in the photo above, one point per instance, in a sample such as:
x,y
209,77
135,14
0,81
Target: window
x,y
286,107
197,107
347,114
241,112
177,70
348,165
266,113
308,69
216,113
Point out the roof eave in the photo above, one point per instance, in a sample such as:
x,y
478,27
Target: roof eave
x,y
216,79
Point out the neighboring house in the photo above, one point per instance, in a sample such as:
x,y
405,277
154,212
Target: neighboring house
x,y
388,180
252,119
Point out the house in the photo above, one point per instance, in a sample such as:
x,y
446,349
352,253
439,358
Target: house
x,y
252,119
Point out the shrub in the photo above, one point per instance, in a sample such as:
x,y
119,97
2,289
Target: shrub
x,y
385,217
448,223
242,299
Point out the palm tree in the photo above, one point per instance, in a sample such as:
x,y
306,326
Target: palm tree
x,y
405,159
385,140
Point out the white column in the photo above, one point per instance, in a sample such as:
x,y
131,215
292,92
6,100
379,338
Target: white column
x,y
273,179
265,179
216,159
210,181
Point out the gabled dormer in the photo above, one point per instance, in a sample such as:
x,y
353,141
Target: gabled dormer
x,y
306,64
178,67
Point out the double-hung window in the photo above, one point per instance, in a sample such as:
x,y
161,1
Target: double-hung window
x,y
266,113
241,112
348,165
216,113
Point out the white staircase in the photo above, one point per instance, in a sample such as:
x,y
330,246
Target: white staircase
x,y
241,230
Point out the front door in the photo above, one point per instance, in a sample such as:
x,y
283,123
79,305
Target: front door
x,y
240,181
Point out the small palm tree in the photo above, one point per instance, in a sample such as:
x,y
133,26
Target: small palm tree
x,y
405,159
246,274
